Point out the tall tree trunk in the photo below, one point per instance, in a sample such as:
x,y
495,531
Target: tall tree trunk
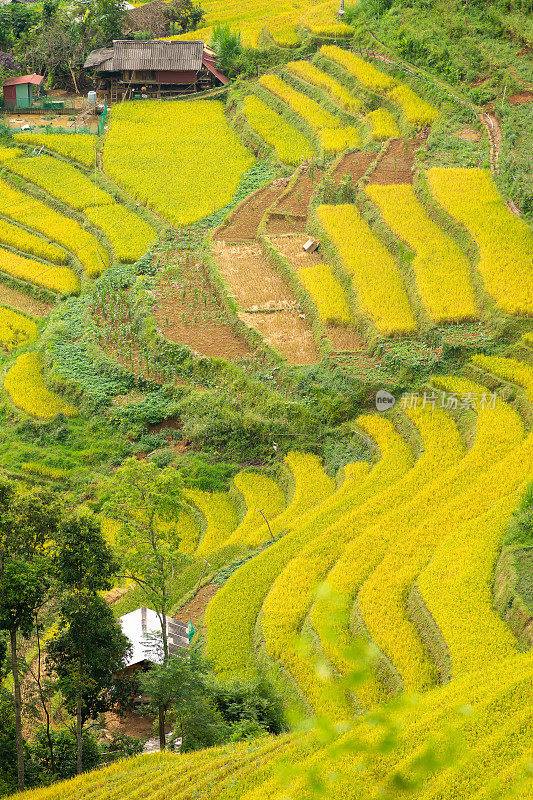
x,y
18,709
44,705
162,737
79,726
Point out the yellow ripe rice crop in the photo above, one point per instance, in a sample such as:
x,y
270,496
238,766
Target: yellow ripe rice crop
x,y
496,466
25,384
37,215
416,110
57,279
311,485
220,514
339,29
260,494
441,269
505,242
380,289
129,234
456,587
17,237
308,109
383,124
183,165
335,140
15,328
509,369
6,153
327,294
290,144
78,146
367,75
310,73
62,181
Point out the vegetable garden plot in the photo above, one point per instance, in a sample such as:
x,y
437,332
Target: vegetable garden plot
x,y
183,166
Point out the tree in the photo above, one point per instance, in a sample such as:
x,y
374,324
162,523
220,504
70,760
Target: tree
x,y
146,502
177,688
86,654
27,523
90,647
185,14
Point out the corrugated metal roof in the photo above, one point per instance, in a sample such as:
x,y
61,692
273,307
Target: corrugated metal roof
x,y
158,55
209,64
98,57
36,79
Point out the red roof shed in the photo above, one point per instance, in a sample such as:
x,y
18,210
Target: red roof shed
x,y
20,92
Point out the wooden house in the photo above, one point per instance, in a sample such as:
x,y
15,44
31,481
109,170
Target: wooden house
x,y
21,93
132,69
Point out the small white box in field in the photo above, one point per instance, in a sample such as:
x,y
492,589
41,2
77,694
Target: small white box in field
x,y
310,246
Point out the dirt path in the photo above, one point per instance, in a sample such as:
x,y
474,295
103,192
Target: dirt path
x,y
194,609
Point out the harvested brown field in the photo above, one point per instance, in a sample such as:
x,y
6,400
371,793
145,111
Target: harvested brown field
x,y
344,340
244,222
278,224
267,303
291,247
297,200
354,165
396,165
254,282
23,302
521,97
194,609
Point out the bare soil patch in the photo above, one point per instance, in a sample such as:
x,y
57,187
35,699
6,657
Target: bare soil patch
x,y
354,165
278,224
396,165
521,97
298,198
23,302
245,220
194,609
